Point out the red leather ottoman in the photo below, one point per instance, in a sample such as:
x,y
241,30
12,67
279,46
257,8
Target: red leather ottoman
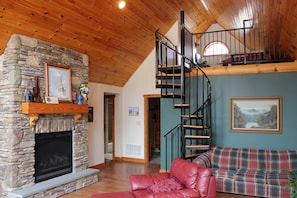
x,y
114,195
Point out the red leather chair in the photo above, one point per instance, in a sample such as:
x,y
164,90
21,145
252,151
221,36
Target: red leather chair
x,y
114,195
185,179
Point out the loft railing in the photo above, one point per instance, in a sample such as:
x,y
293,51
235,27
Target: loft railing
x,y
246,45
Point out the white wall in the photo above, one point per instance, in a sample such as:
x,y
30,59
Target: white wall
x,y
129,130
1,61
96,128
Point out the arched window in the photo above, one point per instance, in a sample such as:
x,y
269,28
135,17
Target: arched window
x,y
215,48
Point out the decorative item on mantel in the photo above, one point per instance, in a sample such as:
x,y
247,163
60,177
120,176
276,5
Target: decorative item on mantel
x,y
36,91
33,96
79,99
29,97
84,91
74,97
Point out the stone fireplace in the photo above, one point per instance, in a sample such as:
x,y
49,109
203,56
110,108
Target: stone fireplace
x,y
22,61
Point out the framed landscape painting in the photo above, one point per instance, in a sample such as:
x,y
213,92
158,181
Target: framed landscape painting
x,y
255,114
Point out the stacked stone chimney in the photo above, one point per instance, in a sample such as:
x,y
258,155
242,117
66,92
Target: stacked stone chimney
x,y
22,61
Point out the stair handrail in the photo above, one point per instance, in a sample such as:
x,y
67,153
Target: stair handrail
x,y
209,86
168,43
170,131
164,40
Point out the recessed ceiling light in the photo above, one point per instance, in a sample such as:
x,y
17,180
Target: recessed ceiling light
x,y
122,4
204,5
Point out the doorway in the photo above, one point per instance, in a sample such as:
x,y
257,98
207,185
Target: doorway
x,y
152,128
109,126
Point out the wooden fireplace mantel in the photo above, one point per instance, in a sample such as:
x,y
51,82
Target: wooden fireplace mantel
x,y
34,109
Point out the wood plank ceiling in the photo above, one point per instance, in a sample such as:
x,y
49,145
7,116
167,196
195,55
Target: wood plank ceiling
x,y
117,41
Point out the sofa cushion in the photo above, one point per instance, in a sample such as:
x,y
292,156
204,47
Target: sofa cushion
x,y
165,185
184,171
224,185
251,176
224,158
252,189
279,179
276,161
254,159
223,173
277,191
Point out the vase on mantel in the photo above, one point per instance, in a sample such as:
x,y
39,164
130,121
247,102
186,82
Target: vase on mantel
x,y
85,99
80,99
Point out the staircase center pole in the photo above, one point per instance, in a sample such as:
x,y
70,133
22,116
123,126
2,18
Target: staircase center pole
x,y
182,44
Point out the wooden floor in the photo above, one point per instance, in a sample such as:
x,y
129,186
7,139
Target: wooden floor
x,y
115,178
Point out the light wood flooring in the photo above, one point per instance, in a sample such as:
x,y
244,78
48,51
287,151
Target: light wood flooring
x,y
115,178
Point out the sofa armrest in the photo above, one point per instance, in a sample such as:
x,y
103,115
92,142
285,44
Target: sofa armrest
x,y
141,182
203,161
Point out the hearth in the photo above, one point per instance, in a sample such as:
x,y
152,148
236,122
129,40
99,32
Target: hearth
x,y
53,155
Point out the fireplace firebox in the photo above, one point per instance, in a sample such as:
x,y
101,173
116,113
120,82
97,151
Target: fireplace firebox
x,y
53,155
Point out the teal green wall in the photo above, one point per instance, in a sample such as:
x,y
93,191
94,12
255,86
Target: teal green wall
x,y
225,87
272,84
170,117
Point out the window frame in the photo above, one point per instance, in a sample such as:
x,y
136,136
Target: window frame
x,y
215,43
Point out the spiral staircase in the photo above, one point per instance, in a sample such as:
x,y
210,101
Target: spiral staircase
x,y
184,81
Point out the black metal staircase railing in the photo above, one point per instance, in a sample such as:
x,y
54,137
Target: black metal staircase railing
x,y
181,79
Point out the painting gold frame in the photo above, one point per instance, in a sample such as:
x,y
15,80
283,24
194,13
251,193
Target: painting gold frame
x,y
58,82
255,114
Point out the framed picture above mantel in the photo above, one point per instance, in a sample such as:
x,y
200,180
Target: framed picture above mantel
x,y
58,82
255,114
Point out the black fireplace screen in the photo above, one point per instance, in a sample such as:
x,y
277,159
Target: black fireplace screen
x,y
53,155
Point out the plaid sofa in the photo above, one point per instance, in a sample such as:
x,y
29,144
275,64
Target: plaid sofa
x,y
251,172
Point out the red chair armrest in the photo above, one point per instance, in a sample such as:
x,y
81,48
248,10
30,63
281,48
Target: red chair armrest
x,y
187,192
140,182
212,188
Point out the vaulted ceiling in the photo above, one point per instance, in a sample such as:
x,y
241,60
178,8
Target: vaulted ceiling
x,y
117,41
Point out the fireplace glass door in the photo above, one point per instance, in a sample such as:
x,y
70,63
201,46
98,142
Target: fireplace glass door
x,y
53,155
